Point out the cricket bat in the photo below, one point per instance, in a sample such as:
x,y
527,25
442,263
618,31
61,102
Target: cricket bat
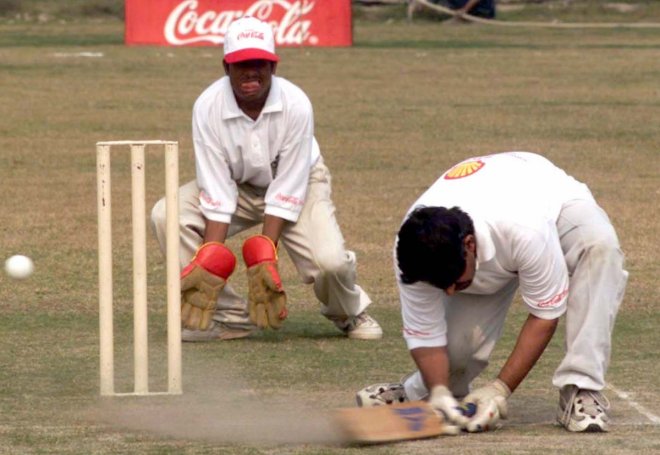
x,y
388,423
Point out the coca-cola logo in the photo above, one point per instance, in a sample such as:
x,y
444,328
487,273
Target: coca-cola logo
x,y
250,34
187,25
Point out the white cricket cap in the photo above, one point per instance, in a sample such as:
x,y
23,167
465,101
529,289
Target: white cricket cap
x,y
248,38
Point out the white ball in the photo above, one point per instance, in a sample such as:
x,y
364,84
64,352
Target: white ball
x,y
19,267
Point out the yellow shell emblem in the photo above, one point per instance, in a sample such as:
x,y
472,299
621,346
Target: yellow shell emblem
x,y
464,169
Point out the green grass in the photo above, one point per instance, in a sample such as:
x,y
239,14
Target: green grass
x,y
18,37
48,10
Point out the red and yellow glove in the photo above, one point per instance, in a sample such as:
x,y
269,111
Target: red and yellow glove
x,y
201,283
266,297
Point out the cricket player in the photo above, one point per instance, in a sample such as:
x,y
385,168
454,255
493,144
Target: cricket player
x,y
258,163
479,8
488,227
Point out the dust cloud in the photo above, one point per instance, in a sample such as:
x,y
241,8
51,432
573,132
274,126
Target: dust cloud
x,y
221,410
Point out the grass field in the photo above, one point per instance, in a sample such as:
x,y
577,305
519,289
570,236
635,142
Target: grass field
x,y
392,112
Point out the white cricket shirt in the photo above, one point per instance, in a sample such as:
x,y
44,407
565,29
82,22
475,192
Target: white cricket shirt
x,y
514,200
274,152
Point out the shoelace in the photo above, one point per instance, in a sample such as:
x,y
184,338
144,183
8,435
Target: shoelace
x,y
351,323
593,403
361,318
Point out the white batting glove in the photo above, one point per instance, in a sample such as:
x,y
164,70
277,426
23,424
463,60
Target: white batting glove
x,y
445,405
491,406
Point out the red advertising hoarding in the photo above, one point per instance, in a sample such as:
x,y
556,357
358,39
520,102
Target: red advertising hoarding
x,y
204,22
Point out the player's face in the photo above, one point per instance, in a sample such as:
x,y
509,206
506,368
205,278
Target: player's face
x,y
465,280
250,80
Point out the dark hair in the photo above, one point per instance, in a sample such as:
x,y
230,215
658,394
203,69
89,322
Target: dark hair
x,y
430,246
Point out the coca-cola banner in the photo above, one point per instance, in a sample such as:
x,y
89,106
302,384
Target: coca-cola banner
x,y
204,22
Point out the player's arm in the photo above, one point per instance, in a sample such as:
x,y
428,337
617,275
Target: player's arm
x,y
543,282
491,399
203,279
286,193
534,337
218,192
433,364
425,331
215,231
467,7
543,279
273,227
284,200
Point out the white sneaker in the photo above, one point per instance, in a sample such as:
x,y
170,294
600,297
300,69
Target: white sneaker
x,y
217,331
360,327
380,394
582,410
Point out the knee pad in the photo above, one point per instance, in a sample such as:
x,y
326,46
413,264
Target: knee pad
x,y
335,262
158,214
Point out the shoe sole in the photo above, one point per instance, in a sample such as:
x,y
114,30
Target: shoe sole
x,y
226,335
364,336
591,428
594,428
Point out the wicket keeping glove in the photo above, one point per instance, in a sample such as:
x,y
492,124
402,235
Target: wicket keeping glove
x,y
445,405
491,406
201,283
266,297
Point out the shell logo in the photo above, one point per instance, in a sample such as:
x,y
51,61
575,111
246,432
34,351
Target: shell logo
x,y
464,169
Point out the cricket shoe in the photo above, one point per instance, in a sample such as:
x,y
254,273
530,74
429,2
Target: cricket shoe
x,y
582,410
217,331
360,327
381,394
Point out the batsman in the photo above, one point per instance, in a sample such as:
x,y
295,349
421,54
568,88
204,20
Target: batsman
x,y
257,163
489,227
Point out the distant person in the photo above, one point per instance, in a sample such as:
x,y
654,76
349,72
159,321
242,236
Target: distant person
x,y
258,163
489,227
478,8
484,9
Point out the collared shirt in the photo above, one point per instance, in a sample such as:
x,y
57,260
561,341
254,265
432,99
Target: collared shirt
x,y
274,152
514,200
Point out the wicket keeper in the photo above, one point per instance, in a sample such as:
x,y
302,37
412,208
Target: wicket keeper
x,y
258,163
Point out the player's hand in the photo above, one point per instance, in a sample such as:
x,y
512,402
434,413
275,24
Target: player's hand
x,y
445,405
491,406
266,296
201,283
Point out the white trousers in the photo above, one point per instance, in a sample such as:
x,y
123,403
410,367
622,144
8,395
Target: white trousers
x,y
314,244
597,282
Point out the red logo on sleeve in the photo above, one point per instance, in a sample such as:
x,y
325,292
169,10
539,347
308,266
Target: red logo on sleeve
x,y
553,301
414,333
203,195
464,169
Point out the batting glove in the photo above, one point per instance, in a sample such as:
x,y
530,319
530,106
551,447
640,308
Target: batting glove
x,y
491,406
266,297
201,283
445,405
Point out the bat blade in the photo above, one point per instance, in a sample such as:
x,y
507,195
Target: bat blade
x,y
388,423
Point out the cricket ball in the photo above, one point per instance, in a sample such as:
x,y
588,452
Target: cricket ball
x,y
469,409
19,267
